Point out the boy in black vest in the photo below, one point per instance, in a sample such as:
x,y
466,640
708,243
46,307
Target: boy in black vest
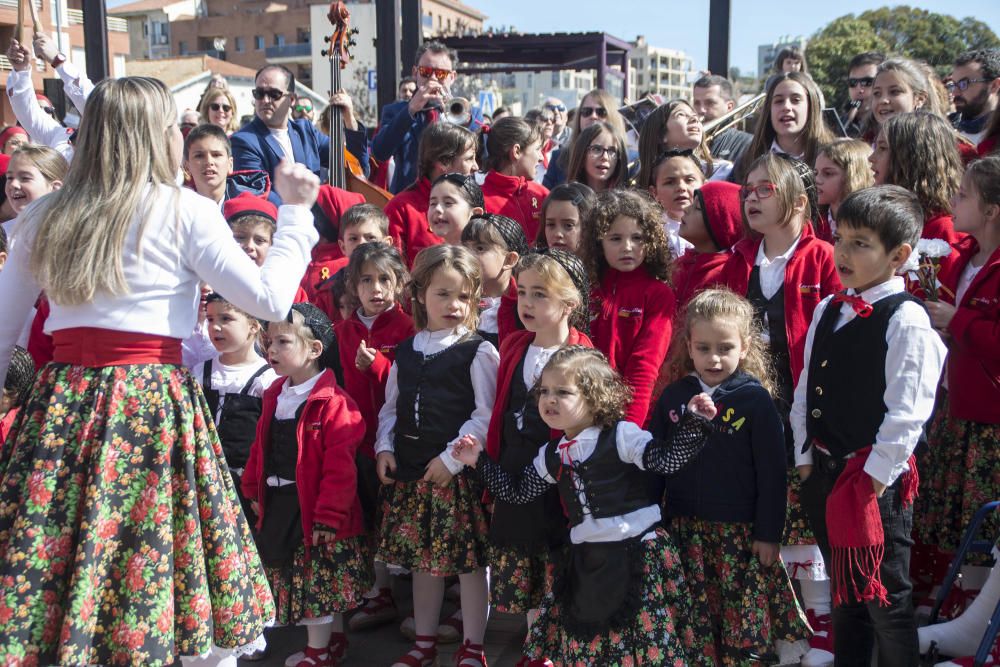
x,y
872,365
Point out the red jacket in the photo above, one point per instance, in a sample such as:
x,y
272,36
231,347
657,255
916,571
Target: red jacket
x,y
517,198
40,345
695,271
408,225
937,226
368,388
329,433
987,145
974,348
631,317
5,424
508,320
327,259
810,275
512,350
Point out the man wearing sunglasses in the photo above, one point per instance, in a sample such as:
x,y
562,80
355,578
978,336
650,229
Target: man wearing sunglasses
x,y
403,121
975,86
561,132
273,135
860,76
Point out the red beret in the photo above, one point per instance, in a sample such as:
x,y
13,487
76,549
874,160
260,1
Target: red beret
x,y
44,101
4,163
723,212
10,132
247,203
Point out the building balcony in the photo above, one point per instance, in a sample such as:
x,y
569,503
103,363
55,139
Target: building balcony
x,y
289,53
75,17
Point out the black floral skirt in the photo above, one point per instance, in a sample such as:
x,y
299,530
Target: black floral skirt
x,y
745,606
437,530
122,541
519,578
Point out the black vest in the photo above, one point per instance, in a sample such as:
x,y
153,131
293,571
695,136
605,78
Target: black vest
x,y
447,398
845,403
774,308
611,486
283,446
237,425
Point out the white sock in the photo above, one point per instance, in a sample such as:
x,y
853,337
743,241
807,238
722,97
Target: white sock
x,y
319,634
213,659
428,594
961,636
475,594
816,595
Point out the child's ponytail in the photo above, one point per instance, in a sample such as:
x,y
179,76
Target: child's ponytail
x,y
502,136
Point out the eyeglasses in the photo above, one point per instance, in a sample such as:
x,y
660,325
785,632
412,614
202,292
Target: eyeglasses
x,y
863,81
587,112
435,72
214,106
300,108
270,93
49,110
964,83
547,119
763,191
188,125
596,152
556,107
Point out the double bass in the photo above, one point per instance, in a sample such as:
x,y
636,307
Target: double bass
x,y
345,170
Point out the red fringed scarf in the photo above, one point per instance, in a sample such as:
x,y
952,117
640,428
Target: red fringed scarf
x,y
854,528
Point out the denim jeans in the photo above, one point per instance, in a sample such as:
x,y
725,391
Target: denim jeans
x,y
857,626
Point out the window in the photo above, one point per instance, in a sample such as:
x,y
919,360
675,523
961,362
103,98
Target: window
x,y
555,79
240,45
183,48
258,42
279,40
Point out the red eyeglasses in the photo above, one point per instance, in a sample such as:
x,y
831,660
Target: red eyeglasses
x,y
763,191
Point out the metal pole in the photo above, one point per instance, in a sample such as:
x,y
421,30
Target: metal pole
x,y
413,33
602,62
95,39
718,36
387,18
625,86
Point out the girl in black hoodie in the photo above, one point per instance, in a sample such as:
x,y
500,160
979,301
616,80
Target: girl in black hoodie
x,y
727,508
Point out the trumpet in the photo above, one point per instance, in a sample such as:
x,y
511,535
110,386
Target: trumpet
x,y
459,111
732,118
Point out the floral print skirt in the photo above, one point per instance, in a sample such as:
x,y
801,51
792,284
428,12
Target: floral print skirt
x,y
745,606
959,474
519,577
662,632
121,536
332,579
438,530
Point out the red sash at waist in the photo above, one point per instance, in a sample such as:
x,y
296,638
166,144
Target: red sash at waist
x,y
96,348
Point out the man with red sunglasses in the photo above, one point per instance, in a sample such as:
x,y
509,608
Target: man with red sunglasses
x,y
402,122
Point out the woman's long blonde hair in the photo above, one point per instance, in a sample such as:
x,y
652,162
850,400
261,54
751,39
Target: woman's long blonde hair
x,y
81,229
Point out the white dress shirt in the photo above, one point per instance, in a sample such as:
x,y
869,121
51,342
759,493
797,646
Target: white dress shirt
x,y
484,384
488,314
672,228
913,364
631,442
291,397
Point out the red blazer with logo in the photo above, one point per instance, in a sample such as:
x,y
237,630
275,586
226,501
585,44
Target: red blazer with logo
x,y
631,317
367,388
937,226
517,198
327,259
695,271
408,226
974,348
329,432
512,350
810,275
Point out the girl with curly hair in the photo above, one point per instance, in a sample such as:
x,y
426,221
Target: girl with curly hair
x,y
731,530
619,597
631,304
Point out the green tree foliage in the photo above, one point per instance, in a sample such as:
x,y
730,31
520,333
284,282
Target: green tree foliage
x,y
914,33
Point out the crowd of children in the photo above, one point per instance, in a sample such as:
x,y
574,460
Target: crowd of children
x,y
669,420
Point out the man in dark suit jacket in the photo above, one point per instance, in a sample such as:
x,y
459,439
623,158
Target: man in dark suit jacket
x,y
271,135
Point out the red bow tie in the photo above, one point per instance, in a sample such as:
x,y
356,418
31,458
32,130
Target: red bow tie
x,y
860,306
564,457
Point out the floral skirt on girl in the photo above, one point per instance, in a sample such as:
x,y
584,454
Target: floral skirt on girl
x,y
662,632
333,579
958,475
121,536
746,606
438,530
519,577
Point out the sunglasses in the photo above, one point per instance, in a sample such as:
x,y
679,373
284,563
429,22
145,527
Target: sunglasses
x,y
215,106
270,93
763,191
300,108
435,72
587,112
49,110
863,81
963,84
188,126
556,107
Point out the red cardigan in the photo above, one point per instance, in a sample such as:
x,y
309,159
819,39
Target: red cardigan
x,y
631,317
329,432
408,227
695,271
937,226
40,345
5,424
517,198
810,275
368,388
512,350
974,348
508,320
327,259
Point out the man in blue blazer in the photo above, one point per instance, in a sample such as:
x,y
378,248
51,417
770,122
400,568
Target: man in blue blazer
x,y
272,135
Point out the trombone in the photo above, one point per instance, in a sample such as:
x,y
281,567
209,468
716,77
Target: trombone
x,y
732,118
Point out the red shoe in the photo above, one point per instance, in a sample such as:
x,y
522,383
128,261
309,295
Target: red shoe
x,y
525,661
376,612
316,657
822,626
470,655
421,656
337,648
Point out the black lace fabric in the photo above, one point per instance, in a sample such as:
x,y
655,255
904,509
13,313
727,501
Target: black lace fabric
x,y
519,490
668,457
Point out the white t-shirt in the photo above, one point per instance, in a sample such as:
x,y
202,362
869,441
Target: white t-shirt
x,y
227,379
281,136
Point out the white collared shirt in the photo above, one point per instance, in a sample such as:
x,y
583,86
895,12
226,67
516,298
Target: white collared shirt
x,y
772,271
672,228
913,364
484,384
488,314
291,397
369,322
776,148
631,442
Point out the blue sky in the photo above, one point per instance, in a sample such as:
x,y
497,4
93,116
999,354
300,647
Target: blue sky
x,y
684,24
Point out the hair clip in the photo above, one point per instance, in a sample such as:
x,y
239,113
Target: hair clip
x,y
486,128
